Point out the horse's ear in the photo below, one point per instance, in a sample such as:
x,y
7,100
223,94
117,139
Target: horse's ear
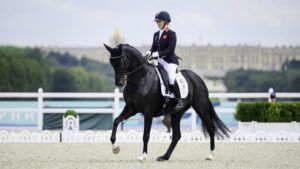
x,y
107,47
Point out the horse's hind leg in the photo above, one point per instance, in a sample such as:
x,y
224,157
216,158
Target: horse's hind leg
x,y
175,122
203,112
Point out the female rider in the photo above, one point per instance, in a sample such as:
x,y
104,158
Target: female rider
x,y
163,49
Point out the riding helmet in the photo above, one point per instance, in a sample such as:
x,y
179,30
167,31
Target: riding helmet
x,y
163,15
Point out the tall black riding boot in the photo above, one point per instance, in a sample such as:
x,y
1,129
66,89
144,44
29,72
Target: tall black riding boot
x,y
178,101
165,102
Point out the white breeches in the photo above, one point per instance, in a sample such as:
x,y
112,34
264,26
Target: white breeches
x,y
170,68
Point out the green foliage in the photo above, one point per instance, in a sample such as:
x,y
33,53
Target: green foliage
x,y
27,69
23,69
92,65
86,74
63,81
287,80
297,114
78,80
71,113
65,59
268,111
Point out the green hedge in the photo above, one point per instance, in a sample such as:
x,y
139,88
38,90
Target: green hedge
x,y
268,112
71,113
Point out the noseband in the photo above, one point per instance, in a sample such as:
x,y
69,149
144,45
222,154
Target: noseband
x,y
123,59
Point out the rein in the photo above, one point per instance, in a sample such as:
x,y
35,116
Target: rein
x,y
124,59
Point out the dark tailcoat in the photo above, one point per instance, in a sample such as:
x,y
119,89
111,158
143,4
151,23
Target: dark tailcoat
x,y
165,45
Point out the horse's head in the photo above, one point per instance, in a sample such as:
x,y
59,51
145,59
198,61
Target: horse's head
x,y
119,62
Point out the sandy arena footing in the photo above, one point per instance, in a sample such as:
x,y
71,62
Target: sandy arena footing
x,y
185,156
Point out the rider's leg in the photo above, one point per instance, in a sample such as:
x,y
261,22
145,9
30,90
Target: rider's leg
x,y
164,64
177,97
166,99
171,69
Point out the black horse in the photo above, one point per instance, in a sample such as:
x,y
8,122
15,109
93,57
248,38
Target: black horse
x,y
142,94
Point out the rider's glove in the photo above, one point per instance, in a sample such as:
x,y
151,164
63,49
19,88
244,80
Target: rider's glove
x,y
155,55
148,53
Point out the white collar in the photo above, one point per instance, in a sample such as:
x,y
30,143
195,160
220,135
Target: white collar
x,y
161,31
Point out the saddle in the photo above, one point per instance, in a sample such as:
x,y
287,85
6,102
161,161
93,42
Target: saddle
x,y
164,82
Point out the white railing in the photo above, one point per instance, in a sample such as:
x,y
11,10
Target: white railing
x,y
116,96
40,95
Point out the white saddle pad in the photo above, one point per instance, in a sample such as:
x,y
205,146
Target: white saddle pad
x,y
183,86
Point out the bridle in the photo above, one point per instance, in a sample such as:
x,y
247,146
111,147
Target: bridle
x,y
124,59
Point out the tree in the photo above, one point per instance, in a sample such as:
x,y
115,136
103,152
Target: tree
x,y
27,69
295,85
22,69
63,81
65,59
260,81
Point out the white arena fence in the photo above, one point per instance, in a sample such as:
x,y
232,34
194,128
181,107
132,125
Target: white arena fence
x,y
41,96
246,132
116,96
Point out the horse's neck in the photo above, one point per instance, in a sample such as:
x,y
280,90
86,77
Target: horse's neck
x,y
136,62
142,80
142,71
140,75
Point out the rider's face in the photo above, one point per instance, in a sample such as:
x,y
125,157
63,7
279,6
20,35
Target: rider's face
x,y
160,24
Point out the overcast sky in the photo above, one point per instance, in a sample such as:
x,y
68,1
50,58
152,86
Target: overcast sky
x,y
89,23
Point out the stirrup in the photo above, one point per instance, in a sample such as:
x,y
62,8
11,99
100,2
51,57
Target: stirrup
x,y
179,105
164,107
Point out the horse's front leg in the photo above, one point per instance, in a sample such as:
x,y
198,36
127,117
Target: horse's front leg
x,y
125,114
147,128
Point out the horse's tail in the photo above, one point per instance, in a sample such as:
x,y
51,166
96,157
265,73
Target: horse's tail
x,y
219,127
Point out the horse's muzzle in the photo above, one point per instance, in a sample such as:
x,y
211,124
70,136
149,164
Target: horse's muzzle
x,y
120,82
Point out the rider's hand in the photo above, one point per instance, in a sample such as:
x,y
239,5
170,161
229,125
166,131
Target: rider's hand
x,y
148,53
155,55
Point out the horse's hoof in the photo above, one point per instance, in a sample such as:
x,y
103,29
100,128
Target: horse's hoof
x,y
142,157
162,158
210,157
116,150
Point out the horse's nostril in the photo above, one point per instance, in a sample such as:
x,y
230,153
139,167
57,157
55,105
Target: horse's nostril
x,y
119,84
